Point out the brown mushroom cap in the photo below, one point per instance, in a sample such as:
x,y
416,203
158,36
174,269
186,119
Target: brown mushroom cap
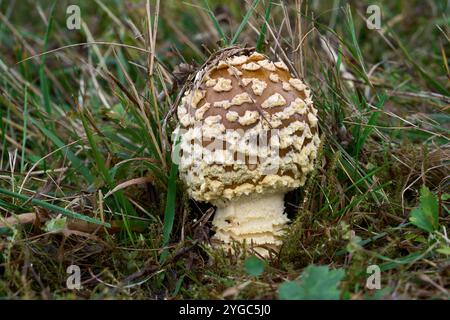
x,y
232,106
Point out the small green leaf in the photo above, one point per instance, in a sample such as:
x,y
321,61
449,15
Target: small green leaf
x,y
56,224
429,202
5,230
426,216
254,266
444,250
317,283
290,290
416,237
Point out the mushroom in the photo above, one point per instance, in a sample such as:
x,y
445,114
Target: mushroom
x,y
249,134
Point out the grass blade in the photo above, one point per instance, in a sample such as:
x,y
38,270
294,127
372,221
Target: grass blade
x,y
3,128
370,125
169,215
42,77
219,30
244,21
25,123
72,157
262,34
53,207
355,49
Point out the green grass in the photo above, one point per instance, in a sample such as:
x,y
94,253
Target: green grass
x,y
82,135
52,207
262,34
244,22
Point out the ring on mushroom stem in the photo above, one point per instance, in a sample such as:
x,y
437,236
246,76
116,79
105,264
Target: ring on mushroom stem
x,y
235,98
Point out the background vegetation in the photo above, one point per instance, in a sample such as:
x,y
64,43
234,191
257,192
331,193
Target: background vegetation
x,y
86,176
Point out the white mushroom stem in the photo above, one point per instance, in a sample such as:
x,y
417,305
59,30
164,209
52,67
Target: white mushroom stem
x,y
257,220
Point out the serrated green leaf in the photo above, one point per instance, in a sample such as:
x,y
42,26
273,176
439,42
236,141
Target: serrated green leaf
x,y
317,283
429,202
426,216
254,266
419,219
